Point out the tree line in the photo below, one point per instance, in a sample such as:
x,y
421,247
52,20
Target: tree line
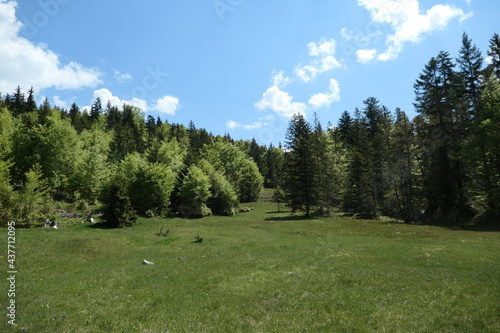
x,y
442,166
131,164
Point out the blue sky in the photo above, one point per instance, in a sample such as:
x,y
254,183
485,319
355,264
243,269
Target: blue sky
x,y
233,66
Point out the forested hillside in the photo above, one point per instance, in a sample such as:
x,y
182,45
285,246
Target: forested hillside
x,y
441,166
117,157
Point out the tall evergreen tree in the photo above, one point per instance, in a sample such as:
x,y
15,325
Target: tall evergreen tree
x,y
470,63
378,121
300,166
257,152
402,169
344,127
96,109
360,195
18,102
483,151
30,102
440,105
274,166
44,111
327,182
494,54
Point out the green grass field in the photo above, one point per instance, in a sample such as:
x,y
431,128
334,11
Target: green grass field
x,y
260,271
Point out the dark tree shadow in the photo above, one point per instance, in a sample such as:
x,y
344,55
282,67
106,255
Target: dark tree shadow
x,y
280,212
99,225
290,218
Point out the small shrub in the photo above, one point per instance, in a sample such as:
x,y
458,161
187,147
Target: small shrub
x,y
81,204
118,211
150,214
162,233
198,238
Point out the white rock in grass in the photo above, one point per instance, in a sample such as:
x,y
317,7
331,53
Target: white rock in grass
x,y
145,262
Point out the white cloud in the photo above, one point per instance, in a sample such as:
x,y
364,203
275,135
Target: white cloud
x,y
64,104
256,125
167,105
324,48
326,99
281,102
232,124
120,77
324,54
107,96
365,56
360,37
26,64
279,79
407,21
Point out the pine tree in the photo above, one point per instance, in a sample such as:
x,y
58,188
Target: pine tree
x,y
344,127
30,102
18,102
402,168
494,54
378,121
257,152
274,166
470,64
118,211
323,176
44,111
300,166
483,150
360,195
96,109
440,105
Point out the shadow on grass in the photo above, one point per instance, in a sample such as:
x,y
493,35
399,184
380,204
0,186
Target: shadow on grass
x,y
489,227
280,212
99,225
289,217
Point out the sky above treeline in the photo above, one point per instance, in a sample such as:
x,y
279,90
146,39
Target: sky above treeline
x,y
233,66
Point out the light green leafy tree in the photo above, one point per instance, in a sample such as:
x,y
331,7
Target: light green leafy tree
x,y
194,193
223,199
241,171
149,185
92,168
169,153
32,204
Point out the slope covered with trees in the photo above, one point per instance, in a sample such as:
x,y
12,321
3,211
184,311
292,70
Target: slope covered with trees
x,y
441,166
118,158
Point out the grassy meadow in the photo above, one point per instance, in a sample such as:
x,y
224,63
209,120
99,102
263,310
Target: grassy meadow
x,y
260,271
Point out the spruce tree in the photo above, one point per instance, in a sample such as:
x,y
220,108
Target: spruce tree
x,y
439,103
118,211
300,166
402,168
360,195
470,63
96,109
494,54
344,127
